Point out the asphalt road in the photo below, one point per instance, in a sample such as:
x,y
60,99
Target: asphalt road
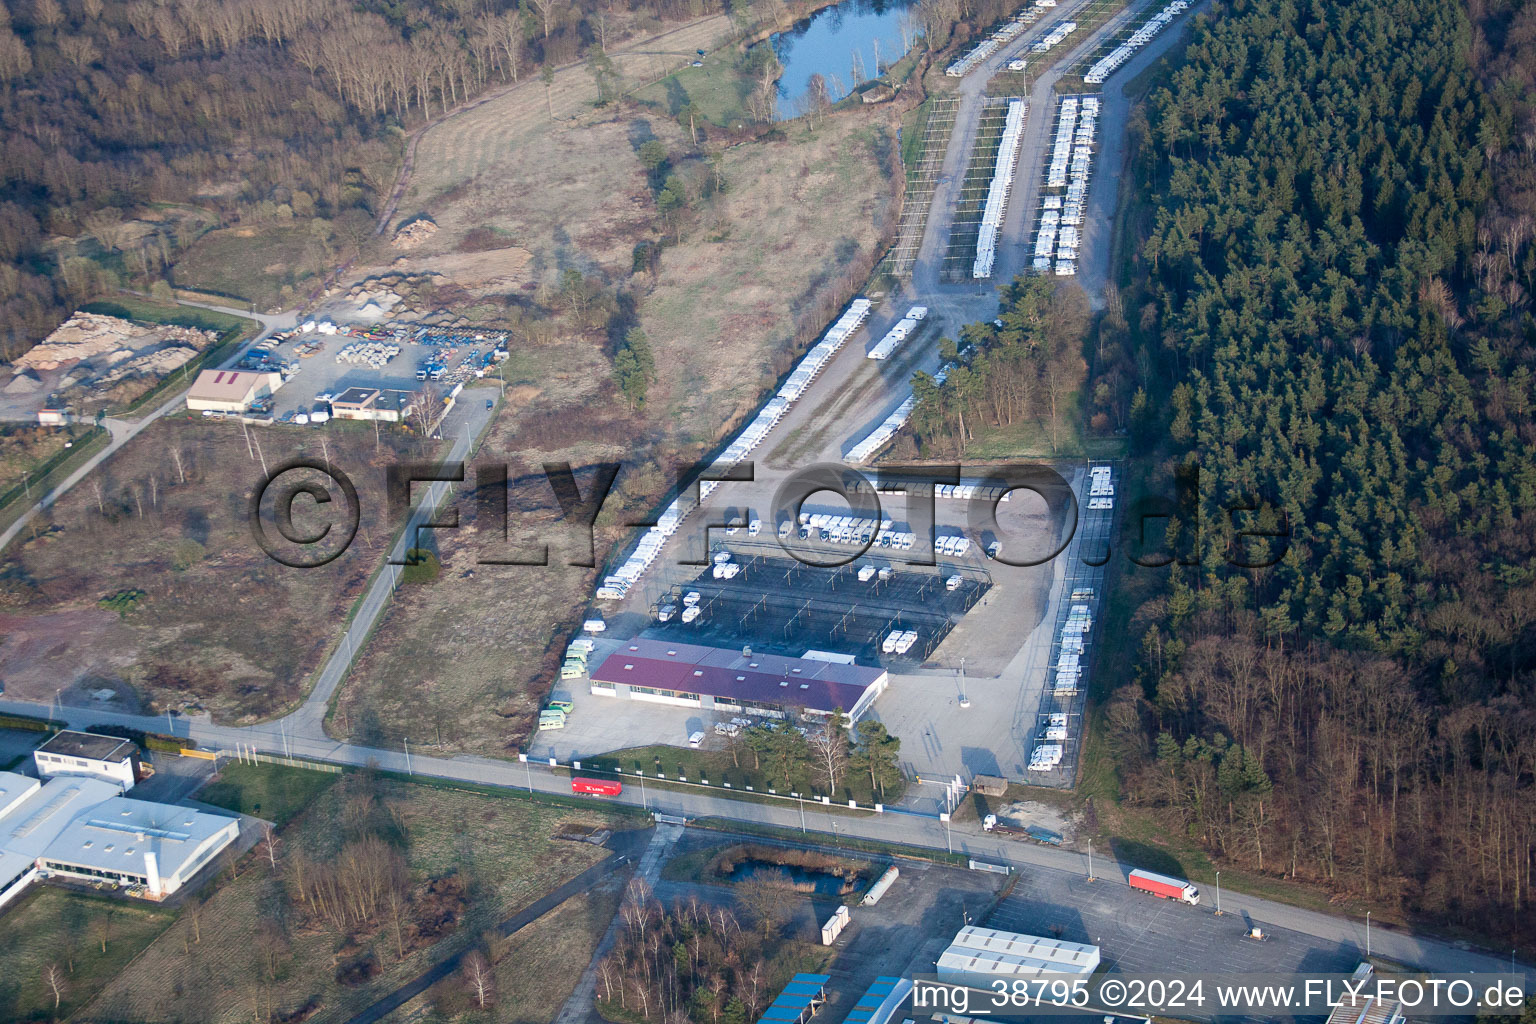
x,y
893,826
465,421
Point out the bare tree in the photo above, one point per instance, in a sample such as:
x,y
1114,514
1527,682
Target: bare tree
x,y
477,974
54,979
269,843
829,750
549,11
178,457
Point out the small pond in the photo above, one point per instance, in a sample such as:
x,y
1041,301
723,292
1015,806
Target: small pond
x,y
842,43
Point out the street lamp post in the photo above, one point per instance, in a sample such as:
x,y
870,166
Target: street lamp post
x,y
1367,933
408,758
1090,862
948,846
1218,894
802,813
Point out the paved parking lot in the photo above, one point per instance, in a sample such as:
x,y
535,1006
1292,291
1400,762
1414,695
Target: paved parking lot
x,y
322,373
1140,934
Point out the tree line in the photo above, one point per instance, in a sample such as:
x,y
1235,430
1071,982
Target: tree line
x,y
1026,366
1331,314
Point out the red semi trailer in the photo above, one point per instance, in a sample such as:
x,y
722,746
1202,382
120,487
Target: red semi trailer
x,y
1165,887
596,787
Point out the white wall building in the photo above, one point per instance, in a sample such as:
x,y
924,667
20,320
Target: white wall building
x,y
84,828
36,820
89,755
138,844
977,956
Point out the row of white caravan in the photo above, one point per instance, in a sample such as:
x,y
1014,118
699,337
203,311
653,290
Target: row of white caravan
x,y
888,427
1107,65
884,432
899,333
1075,132
1055,36
1101,489
1045,757
1055,727
898,641
997,193
1071,162
614,587
997,40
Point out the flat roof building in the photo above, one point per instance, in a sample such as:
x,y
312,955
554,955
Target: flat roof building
x,y
230,390
978,955
720,679
373,404
91,755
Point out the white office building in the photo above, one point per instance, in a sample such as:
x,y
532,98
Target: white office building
x,y
89,755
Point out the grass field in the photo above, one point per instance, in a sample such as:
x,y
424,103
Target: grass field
x,y
537,970
502,849
214,622
796,214
135,307
275,792
795,217
717,767
267,266
53,926
717,91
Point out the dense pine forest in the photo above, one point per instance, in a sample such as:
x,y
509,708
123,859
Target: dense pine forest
x,y
1331,312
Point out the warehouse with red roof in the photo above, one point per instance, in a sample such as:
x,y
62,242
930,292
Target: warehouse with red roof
x,y
717,679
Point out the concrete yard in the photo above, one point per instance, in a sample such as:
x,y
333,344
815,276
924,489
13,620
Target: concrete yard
x,y
1141,934
322,374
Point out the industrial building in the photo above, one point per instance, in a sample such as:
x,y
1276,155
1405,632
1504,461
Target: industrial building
x,y
797,1004
91,756
373,404
83,828
1366,1007
880,1003
718,679
230,391
979,955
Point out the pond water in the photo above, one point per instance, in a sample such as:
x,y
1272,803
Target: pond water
x,y
821,883
839,43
